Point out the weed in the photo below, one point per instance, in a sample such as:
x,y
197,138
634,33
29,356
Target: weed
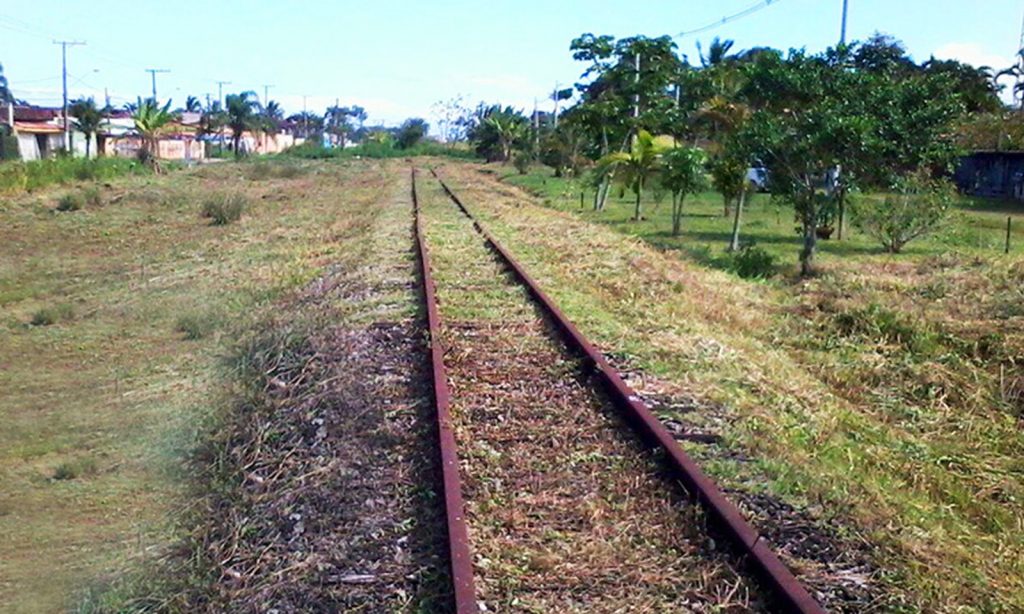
x,y
197,325
79,467
887,326
224,209
753,263
92,196
70,202
51,315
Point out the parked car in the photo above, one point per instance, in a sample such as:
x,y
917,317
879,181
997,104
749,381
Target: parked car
x,y
757,177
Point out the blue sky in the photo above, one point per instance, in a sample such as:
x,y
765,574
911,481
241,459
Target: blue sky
x,y
398,58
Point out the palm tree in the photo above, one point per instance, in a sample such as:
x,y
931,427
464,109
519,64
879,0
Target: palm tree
x,y
638,165
192,105
88,119
718,52
151,121
241,116
508,129
5,92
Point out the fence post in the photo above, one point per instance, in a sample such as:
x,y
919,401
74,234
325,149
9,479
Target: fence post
x,y
1009,219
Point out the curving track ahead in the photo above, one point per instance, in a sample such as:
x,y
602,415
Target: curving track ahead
x,y
788,593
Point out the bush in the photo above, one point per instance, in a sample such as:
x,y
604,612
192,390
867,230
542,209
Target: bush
x,y
222,210
51,315
70,202
522,162
752,263
887,326
197,325
917,208
92,196
29,176
74,469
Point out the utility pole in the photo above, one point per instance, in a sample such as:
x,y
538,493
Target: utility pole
x,y
554,96
636,82
152,73
64,79
266,94
842,31
305,119
220,101
220,92
536,127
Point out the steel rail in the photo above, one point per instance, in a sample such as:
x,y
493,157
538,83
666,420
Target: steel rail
x,y
790,594
460,557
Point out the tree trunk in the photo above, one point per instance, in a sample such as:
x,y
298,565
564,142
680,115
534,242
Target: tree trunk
x,y
734,243
842,212
726,206
88,143
677,213
639,193
810,246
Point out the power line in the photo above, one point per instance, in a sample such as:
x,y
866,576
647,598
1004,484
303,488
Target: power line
x,y
763,4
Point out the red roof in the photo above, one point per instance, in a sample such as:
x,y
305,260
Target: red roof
x,y
35,114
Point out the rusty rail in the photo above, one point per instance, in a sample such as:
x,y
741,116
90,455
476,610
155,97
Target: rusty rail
x,y
460,558
790,594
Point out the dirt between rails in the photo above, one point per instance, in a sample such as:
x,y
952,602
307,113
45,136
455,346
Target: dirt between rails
x,y
567,512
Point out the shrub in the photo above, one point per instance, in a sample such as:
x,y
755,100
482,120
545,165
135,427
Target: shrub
x,y
51,315
522,162
917,208
197,325
92,196
224,209
70,202
752,263
887,326
78,467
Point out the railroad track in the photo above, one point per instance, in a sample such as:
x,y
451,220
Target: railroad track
x,y
785,592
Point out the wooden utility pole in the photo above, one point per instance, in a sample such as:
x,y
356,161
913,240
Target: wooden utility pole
x,y
64,79
266,93
220,101
152,73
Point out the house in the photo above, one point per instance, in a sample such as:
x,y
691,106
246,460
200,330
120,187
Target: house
x,y
992,173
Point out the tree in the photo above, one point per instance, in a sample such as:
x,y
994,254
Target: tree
x,y
88,119
454,119
411,132
682,174
241,115
718,52
496,131
808,121
634,168
309,124
192,105
151,120
729,176
6,97
336,122
916,208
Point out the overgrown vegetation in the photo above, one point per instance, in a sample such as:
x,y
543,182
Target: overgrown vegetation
x,y
17,177
223,209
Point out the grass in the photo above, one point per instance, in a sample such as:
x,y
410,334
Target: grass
x,y
121,383
883,393
17,177
315,151
977,226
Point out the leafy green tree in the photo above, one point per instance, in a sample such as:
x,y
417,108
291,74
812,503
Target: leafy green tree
x,y
192,105
411,132
309,124
496,131
917,207
729,177
242,113
636,167
88,119
718,53
682,174
337,122
806,124
151,120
